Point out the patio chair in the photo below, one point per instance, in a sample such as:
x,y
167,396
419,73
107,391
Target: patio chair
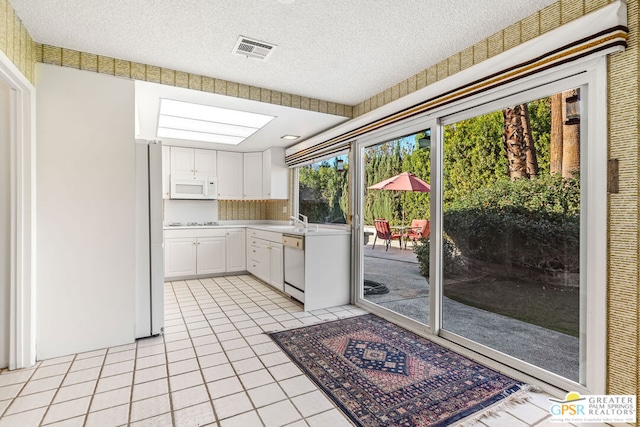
x,y
383,231
420,229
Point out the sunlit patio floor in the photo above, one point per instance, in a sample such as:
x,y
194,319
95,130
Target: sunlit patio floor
x,y
408,295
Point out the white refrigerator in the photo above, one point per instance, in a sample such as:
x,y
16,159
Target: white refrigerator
x,y
149,240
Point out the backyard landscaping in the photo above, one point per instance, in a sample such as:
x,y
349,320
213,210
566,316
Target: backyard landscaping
x,y
552,307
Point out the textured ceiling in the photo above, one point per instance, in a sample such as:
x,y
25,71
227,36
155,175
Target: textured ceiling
x,y
341,51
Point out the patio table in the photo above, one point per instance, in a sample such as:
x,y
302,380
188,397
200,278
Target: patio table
x,y
402,229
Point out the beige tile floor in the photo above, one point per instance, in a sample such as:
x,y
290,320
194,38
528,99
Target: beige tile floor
x,y
213,366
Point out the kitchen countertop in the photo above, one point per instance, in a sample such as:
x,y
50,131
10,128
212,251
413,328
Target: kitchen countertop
x,y
282,227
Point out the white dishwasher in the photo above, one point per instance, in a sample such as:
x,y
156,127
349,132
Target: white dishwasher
x,y
294,266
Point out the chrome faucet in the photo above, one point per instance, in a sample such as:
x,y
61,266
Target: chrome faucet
x,y
304,221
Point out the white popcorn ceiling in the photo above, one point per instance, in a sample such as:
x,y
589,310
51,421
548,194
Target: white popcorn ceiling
x,y
341,51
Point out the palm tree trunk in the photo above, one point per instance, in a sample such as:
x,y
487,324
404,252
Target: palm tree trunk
x,y
556,134
518,143
532,158
570,140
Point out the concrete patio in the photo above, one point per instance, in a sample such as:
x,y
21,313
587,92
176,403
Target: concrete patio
x,y
408,295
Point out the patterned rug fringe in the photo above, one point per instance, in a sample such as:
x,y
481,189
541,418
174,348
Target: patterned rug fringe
x,y
514,399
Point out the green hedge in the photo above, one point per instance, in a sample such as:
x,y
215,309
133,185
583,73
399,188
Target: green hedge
x,y
524,223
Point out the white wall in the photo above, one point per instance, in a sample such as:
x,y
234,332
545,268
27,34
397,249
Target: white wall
x,y
5,225
190,211
85,211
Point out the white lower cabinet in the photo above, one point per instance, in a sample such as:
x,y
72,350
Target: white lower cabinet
x,y
258,259
180,257
265,257
276,264
211,255
200,252
236,250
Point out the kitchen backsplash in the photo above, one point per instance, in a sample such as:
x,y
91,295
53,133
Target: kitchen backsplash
x,y
234,210
225,210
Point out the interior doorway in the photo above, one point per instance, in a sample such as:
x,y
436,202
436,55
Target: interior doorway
x,y
5,224
17,217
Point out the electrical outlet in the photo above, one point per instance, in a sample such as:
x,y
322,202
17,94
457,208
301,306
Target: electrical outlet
x,y
284,209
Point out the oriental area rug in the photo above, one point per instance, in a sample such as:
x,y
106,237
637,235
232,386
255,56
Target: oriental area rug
x,y
382,375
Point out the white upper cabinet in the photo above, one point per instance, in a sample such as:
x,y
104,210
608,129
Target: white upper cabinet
x,y
182,161
193,161
230,185
275,174
205,162
241,176
252,176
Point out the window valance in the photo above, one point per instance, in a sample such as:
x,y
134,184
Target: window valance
x,y
600,32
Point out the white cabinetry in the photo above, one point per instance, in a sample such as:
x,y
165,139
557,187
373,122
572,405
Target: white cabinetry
x,y
276,271
241,176
275,174
204,251
258,258
252,165
326,270
182,161
230,168
236,252
166,172
193,161
205,162
180,257
264,256
211,255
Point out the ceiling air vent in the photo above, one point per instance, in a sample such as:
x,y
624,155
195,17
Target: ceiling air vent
x,y
253,48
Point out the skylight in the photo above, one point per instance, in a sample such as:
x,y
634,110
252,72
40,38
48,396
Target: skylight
x,y
184,120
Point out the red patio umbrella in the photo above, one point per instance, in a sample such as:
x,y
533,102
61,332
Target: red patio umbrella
x,y
405,181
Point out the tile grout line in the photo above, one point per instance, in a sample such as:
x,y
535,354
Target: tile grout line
x,y
19,391
246,391
133,378
166,364
238,295
44,416
237,374
204,382
276,382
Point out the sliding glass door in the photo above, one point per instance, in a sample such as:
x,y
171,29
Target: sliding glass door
x,y
512,264
396,217
511,240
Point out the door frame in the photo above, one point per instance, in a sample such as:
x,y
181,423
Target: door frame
x,y
408,127
22,149
590,71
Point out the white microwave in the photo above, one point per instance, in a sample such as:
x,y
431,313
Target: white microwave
x,y
194,187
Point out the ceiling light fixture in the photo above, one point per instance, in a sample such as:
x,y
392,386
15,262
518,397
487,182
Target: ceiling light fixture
x,y
197,122
290,137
